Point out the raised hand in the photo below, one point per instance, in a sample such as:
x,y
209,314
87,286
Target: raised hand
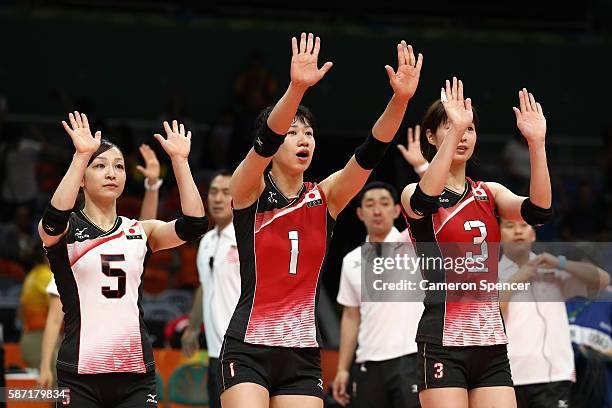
x,y
178,143
405,81
304,70
458,109
79,132
151,168
412,154
530,118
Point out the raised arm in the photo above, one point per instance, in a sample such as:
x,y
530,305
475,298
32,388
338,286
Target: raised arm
x,y
537,208
412,152
54,222
193,223
150,201
247,181
343,185
460,117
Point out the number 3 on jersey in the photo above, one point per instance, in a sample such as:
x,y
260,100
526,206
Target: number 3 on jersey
x,y
295,250
478,240
115,273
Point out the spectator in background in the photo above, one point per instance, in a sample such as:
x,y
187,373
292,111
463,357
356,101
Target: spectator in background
x,y
34,305
584,221
592,344
17,240
221,137
18,169
255,86
536,322
384,373
515,162
254,89
219,270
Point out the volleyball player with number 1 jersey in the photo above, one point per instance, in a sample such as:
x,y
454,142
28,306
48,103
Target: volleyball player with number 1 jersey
x,y
270,356
462,344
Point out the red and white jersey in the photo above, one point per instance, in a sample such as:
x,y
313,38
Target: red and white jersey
x,y
464,227
282,244
98,275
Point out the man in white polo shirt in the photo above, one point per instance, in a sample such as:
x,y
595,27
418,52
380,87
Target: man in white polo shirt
x,y
219,270
384,373
539,347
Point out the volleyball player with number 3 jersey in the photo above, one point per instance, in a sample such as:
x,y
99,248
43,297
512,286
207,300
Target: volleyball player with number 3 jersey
x,y
270,356
98,258
462,344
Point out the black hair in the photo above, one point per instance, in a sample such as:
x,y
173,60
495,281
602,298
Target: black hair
x,y
220,172
375,185
434,116
303,113
105,145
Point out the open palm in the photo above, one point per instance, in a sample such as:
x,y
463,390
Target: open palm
x,y
178,143
151,167
530,118
80,134
405,81
304,70
458,109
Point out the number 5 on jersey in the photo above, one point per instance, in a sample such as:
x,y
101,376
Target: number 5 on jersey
x,y
114,273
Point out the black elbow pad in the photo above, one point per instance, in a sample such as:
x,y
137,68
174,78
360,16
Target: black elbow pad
x,y
54,221
422,204
370,152
267,142
190,228
534,215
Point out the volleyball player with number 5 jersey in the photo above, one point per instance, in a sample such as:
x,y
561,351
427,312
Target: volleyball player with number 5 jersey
x,y
98,258
271,356
462,344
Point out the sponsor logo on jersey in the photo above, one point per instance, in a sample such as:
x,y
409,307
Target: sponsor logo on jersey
x,y
80,233
320,384
562,404
313,198
232,372
152,398
271,197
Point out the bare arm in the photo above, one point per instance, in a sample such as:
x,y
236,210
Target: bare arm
x,y
412,152
150,201
460,117
531,122
189,339
55,318
247,181
162,235
342,186
66,193
590,275
349,330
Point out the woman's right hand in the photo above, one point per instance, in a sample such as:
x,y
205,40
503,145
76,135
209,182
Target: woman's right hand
x,y
458,109
81,136
46,377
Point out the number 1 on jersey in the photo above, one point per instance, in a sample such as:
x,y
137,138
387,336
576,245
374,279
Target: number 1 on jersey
x,y
295,250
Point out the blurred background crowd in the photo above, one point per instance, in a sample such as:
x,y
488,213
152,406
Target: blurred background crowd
x,y
214,65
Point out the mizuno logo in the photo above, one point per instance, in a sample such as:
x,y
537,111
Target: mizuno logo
x,y
152,398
